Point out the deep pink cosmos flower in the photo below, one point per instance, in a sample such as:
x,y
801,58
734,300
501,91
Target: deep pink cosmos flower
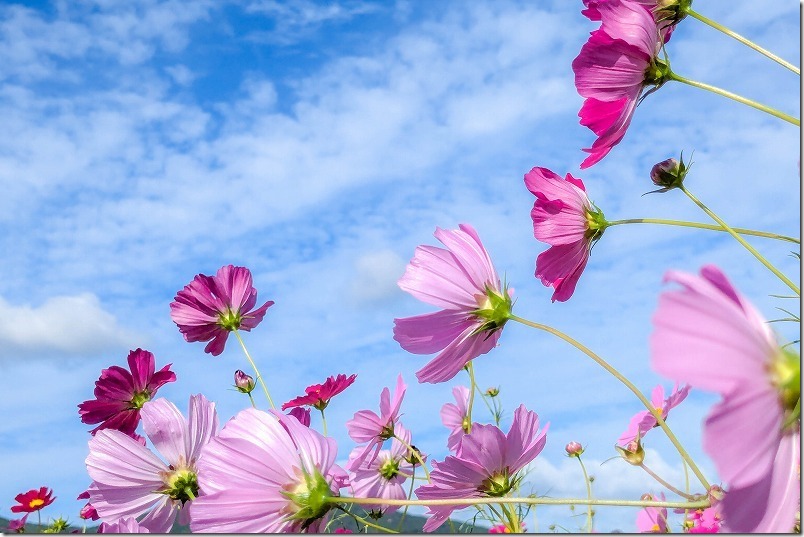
x,y
565,218
210,307
367,426
87,512
455,416
302,414
502,528
266,473
613,68
710,336
488,463
318,395
120,394
129,480
17,525
643,421
652,519
462,280
123,525
707,520
33,500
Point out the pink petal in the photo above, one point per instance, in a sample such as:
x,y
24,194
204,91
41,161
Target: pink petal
x,y
431,332
561,267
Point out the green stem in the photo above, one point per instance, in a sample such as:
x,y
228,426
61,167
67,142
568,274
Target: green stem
x,y
741,39
367,523
735,97
410,495
251,398
324,422
664,483
700,225
741,240
254,366
588,493
472,386
464,502
605,365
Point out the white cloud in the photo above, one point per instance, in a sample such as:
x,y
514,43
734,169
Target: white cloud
x,y
376,274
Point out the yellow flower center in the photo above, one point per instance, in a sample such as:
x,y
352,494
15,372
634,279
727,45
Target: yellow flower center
x,y
36,502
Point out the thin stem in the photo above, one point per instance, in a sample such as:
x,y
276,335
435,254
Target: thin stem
x,y
473,385
741,39
735,97
588,493
251,398
700,225
367,523
410,495
664,483
324,422
464,502
513,519
254,366
605,365
415,453
741,240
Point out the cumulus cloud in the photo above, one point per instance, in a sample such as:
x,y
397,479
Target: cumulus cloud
x,y
376,274
75,325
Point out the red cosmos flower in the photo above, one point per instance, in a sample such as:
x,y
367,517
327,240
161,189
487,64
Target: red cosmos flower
x,y
318,395
33,500
120,394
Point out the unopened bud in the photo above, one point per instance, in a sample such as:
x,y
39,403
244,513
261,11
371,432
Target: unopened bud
x,y
716,493
493,392
669,174
244,383
415,456
574,449
632,453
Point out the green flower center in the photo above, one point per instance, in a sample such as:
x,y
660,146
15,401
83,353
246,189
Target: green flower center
x,y
596,224
494,309
229,320
182,485
389,469
785,376
309,498
466,425
498,484
139,399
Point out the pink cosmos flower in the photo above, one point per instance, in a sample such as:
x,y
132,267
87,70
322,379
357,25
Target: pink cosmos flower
x,y
652,519
707,520
128,479
488,463
33,500
302,414
87,512
120,394
210,307
18,525
266,473
613,68
367,426
123,525
565,218
710,336
462,280
318,395
455,416
382,477
642,422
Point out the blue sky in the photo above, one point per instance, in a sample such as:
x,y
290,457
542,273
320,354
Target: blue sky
x,y
318,143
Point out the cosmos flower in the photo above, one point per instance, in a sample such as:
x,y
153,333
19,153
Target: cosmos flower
x,y
210,307
318,395
87,512
120,394
33,500
565,218
266,473
123,525
302,414
652,519
462,280
455,416
613,68
367,426
129,480
488,464
708,335
643,421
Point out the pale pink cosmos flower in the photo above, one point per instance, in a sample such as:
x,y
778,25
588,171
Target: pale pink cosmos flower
x,y
210,307
488,464
666,14
565,218
123,525
384,476
367,426
652,519
613,68
121,393
644,421
266,473
129,480
319,395
460,279
708,335
455,416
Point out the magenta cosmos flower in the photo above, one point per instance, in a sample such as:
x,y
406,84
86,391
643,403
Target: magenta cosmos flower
x,y
643,421
120,394
33,500
613,68
210,307
367,426
456,416
462,280
652,519
487,464
708,335
318,395
565,218
266,473
129,480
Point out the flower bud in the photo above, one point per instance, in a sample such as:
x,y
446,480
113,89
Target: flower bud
x,y
493,392
88,513
244,383
574,449
632,453
669,174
